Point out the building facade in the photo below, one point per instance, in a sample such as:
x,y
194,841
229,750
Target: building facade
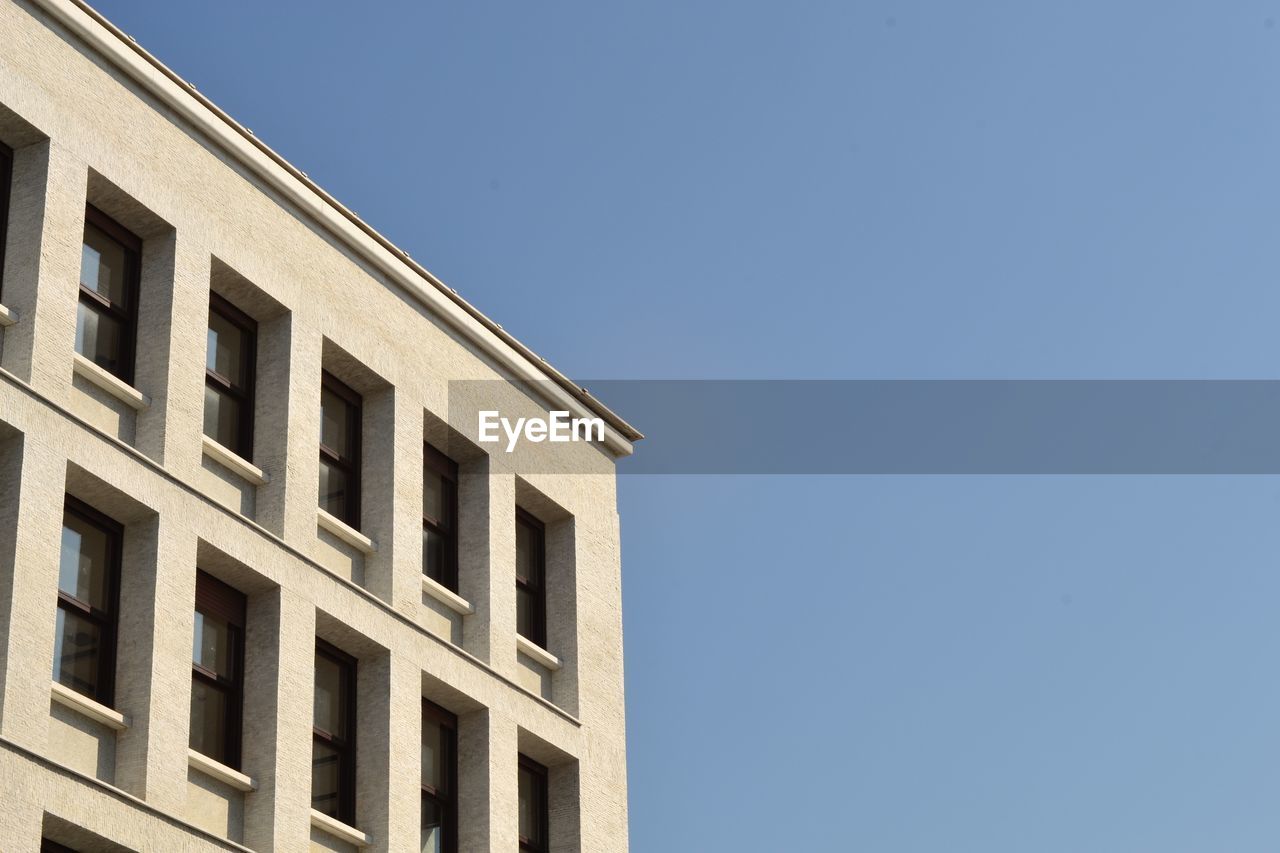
x,y
261,586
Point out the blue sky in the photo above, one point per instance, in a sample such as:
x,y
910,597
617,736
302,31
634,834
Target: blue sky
x,y
858,190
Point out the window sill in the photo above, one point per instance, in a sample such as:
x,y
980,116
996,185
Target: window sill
x,y
113,385
345,532
220,771
83,705
7,317
447,597
339,830
540,655
233,461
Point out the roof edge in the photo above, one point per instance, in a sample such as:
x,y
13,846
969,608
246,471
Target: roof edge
x,y
570,388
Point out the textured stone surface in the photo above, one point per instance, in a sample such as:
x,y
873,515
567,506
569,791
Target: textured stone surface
x,y
83,130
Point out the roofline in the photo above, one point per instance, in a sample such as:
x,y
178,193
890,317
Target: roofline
x,y
570,389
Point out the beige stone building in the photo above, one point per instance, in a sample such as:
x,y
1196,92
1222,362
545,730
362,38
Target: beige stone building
x,y
262,587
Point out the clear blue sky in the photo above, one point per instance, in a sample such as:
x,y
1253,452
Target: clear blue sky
x,y
856,190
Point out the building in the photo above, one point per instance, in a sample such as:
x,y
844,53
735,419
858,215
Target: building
x,y
260,586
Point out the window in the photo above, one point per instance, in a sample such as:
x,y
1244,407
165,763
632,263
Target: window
x,y
217,670
440,518
6,178
439,779
109,269
333,756
531,593
339,450
228,377
533,806
84,654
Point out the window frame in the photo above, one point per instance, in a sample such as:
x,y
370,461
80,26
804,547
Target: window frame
x,y
538,586
94,301
448,802
221,600
6,192
350,467
436,461
244,396
344,746
540,772
108,623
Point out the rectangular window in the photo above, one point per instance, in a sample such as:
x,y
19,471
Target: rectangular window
x,y
339,450
228,377
6,179
84,655
533,806
531,593
110,266
439,779
217,670
333,757
440,518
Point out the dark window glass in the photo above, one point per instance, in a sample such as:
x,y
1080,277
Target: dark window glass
x,y
228,343
330,701
526,604
439,518
334,493
335,423
533,806
326,783
435,556
333,760
434,756
88,594
6,179
339,450
84,568
104,263
228,377
433,818
217,670
110,264
223,416
210,718
531,596
78,653
214,645
439,772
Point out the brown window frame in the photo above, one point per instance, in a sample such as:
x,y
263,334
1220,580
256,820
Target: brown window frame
x,y
448,801
344,746
108,622
448,469
538,845
218,599
538,585
351,467
243,395
6,183
96,302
